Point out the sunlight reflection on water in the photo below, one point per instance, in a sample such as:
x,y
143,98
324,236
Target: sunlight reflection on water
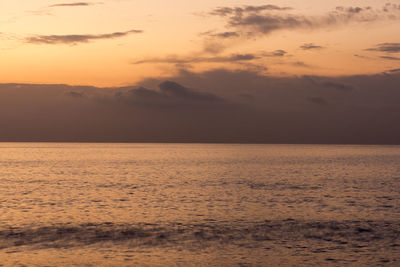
x,y
291,203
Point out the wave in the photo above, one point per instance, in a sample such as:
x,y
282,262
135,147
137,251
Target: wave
x,y
354,234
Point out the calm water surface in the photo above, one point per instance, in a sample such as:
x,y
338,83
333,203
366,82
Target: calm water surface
x,y
199,204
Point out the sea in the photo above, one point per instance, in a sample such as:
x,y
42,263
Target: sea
x,y
140,204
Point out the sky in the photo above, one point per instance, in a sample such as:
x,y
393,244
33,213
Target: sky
x,y
301,71
121,42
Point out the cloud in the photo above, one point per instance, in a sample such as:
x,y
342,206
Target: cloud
x,y
317,100
222,35
310,46
393,70
354,10
227,11
47,11
389,7
386,47
361,56
213,47
329,84
213,106
73,4
226,34
390,58
170,95
263,20
75,94
237,58
76,38
199,59
173,89
276,53
338,86
300,64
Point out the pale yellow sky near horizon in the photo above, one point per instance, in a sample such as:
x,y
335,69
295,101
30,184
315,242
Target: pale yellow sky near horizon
x,y
172,38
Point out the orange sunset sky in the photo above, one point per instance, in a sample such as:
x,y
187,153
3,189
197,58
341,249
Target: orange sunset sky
x,y
121,42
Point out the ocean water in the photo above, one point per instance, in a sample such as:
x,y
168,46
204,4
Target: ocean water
x,y
72,204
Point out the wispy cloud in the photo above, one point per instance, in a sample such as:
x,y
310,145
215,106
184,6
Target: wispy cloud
x,y
233,58
393,71
390,58
48,10
361,56
300,64
228,11
386,47
263,20
276,53
190,60
310,46
222,35
76,38
74,4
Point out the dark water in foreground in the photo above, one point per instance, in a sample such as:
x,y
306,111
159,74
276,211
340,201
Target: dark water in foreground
x,y
197,204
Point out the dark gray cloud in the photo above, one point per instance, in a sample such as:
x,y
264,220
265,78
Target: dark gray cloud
x,y
263,20
386,47
73,4
76,38
212,106
310,46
